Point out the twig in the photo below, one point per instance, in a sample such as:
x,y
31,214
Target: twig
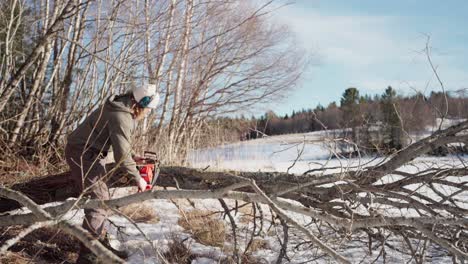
x,y
142,233
254,229
233,227
286,218
284,244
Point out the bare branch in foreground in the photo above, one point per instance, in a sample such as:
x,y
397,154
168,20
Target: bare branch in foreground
x,y
93,244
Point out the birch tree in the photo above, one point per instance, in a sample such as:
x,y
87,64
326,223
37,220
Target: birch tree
x,y
206,57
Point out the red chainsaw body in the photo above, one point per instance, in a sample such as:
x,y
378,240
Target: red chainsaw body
x,y
147,169
147,173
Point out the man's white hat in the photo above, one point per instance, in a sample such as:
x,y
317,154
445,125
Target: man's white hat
x,y
146,95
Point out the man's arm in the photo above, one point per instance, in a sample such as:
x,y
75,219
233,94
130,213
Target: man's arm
x,y
120,128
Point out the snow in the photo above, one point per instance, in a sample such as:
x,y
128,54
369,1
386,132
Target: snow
x,y
294,153
276,154
298,153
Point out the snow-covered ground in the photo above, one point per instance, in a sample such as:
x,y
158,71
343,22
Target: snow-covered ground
x,y
294,153
298,153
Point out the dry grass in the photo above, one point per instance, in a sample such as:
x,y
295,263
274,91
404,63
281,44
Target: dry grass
x,y
246,218
257,244
178,252
17,170
14,168
14,258
205,227
140,213
45,245
247,214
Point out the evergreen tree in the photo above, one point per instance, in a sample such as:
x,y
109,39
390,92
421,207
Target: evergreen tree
x,y
351,112
350,106
391,121
350,97
319,108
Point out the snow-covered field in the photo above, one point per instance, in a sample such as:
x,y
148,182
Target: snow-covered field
x,y
277,153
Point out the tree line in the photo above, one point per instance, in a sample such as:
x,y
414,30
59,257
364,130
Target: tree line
x,y
375,122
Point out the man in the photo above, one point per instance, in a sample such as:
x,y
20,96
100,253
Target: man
x,y
111,125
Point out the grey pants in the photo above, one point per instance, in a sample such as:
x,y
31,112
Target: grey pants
x,y
87,170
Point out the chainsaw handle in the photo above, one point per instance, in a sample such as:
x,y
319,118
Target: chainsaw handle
x,y
150,155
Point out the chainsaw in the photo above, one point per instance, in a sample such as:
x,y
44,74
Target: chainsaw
x,y
149,169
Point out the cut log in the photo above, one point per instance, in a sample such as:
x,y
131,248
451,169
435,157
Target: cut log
x,y
59,187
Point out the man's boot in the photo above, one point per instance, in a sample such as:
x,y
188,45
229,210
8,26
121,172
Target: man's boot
x,y
119,253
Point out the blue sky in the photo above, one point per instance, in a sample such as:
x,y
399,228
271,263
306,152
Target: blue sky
x,y
371,44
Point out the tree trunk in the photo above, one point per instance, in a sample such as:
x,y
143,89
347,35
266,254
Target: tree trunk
x,y
59,187
32,58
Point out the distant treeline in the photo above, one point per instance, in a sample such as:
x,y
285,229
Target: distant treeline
x,y
389,115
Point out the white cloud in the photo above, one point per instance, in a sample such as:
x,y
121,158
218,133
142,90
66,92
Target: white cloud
x,y
370,52
351,40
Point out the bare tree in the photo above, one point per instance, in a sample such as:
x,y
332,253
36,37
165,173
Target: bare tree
x,y
207,58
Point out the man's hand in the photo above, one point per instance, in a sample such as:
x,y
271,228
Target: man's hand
x,y
138,159
142,185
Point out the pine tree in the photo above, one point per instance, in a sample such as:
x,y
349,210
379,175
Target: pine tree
x,y
319,108
351,112
391,120
350,106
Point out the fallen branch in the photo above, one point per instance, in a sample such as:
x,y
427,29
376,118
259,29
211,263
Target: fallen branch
x,y
265,199
93,244
353,200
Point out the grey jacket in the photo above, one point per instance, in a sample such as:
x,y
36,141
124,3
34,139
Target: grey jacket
x,y
111,124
